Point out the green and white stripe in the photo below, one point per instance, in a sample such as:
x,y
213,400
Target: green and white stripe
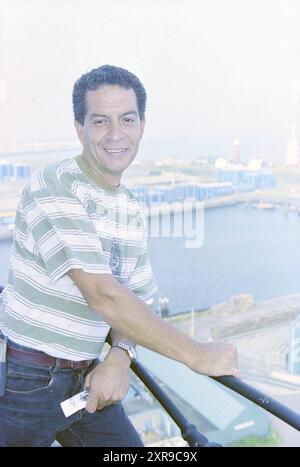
x,y
66,219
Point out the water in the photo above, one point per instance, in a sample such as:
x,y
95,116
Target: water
x,y
244,251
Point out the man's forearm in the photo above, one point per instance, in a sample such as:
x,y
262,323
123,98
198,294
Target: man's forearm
x,y
131,317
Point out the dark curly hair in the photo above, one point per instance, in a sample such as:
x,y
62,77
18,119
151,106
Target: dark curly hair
x,y
106,75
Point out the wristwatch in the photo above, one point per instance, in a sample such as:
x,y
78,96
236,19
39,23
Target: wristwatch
x,y
128,348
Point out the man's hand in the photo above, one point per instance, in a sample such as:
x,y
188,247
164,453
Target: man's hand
x,y
214,359
109,382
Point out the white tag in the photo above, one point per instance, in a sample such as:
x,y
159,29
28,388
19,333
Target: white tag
x,y
75,403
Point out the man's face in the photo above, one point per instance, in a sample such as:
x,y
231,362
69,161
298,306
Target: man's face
x,y
111,131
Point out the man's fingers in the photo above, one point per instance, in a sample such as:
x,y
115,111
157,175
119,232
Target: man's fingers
x,y
102,404
95,402
92,403
105,403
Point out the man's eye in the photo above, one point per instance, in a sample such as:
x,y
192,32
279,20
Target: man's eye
x,y
128,120
99,122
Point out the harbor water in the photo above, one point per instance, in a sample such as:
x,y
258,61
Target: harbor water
x,y
245,251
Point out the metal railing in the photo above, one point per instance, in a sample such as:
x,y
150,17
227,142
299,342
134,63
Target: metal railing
x,y
188,431
261,399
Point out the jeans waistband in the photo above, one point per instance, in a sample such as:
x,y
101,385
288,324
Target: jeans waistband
x,y
28,355
45,360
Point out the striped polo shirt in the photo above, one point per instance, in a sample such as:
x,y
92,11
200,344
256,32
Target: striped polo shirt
x,y
67,218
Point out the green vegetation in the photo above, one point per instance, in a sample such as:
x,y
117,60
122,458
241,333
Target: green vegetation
x,y
185,317
271,440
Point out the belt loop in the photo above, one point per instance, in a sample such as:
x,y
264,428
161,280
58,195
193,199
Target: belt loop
x,y
57,365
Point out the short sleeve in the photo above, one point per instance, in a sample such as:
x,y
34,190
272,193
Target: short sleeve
x,y
142,281
64,236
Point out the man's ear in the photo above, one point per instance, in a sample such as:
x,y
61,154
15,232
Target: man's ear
x,y
142,127
79,131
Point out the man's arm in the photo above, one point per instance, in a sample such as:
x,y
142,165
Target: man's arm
x,y
132,318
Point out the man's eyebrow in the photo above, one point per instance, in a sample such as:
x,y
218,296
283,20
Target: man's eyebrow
x,y
98,115
129,112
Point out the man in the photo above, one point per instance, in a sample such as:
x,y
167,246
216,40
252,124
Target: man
x,y
78,270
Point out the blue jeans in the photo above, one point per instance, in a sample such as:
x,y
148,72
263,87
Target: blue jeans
x,y
31,415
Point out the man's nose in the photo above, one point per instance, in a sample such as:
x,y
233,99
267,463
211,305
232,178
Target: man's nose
x,y
115,131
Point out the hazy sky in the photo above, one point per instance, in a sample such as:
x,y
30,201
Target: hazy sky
x,y
214,70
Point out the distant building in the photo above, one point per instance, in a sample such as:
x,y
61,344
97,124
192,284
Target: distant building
x,y
21,170
145,413
246,179
8,170
181,192
292,149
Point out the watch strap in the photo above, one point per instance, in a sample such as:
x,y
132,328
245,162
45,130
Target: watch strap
x,y
128,348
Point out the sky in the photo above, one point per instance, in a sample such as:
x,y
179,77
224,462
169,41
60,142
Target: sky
x,y
214,70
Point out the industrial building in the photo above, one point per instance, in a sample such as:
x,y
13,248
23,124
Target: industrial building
x,y
244,179
180,192
9,170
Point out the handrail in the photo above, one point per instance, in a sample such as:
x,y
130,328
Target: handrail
x,y
188,431
281,411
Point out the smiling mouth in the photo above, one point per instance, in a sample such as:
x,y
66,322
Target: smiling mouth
x,y
115,151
